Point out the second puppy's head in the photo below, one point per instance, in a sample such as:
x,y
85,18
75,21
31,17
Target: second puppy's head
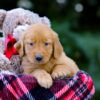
x,y
39,43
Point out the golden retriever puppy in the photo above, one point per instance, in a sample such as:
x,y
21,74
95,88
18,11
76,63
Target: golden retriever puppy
x,y
43,56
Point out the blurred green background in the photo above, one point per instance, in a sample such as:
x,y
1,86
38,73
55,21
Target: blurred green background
x,y
78,24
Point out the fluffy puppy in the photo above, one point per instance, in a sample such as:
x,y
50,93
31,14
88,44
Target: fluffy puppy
x,y
43,56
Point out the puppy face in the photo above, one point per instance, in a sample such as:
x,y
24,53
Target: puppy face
x,y
39,44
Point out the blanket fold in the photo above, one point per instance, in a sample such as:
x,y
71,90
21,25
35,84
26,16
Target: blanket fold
x,y
25,87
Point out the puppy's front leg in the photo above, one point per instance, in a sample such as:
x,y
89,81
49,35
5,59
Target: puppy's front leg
x,y
43,78
61,71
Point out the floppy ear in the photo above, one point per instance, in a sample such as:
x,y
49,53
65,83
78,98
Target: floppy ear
x,y
20,47
58,49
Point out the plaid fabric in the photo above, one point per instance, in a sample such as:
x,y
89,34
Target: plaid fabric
x,y
25,87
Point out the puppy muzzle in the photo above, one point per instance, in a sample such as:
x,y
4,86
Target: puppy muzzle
x,y
38,57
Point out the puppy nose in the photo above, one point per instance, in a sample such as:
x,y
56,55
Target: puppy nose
x,y
38,57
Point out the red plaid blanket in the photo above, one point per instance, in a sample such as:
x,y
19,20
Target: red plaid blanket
x,y
25,87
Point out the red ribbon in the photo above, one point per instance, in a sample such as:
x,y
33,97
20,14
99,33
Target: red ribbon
x,y
10,50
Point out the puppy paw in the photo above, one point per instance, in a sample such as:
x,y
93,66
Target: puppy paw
x,y
45,81
60,73
43,78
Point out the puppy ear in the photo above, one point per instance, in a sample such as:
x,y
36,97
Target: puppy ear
x,y
58,49
20,48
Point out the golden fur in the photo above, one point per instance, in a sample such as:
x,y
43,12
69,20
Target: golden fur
x,y
41,40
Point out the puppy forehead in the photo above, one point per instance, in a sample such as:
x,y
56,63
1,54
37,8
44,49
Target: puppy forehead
x,y
38,33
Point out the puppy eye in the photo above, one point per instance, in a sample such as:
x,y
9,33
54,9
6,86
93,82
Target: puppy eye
x,y
31,44
46,43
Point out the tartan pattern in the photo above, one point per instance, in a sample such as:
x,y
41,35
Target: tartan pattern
x,y
25,87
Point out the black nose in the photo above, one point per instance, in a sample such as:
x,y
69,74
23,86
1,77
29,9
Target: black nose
x,y
38,57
